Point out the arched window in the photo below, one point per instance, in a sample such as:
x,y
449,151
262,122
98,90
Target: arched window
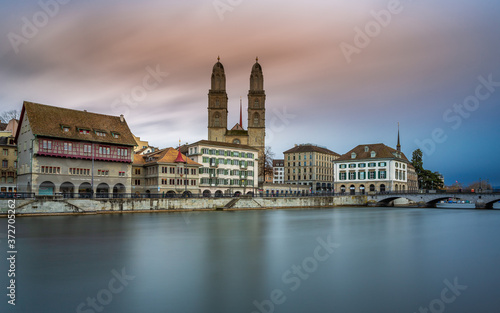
x,y
216,119
256,103
236,141
256,119
217,104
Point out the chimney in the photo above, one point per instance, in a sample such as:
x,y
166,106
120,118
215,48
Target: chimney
x,y
121,118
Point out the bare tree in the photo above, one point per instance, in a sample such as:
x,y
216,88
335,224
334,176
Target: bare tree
x,y
479,185
6,116
266,165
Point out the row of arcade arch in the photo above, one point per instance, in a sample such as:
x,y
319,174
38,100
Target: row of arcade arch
x,y
69,190
371,188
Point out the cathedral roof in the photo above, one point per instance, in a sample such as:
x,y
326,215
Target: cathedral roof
x,y
237,127
257,67
217,66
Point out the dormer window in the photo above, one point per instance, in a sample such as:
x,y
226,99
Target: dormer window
x,y
100,133
65,128
353,155
367,149
115,135
83,131
373,154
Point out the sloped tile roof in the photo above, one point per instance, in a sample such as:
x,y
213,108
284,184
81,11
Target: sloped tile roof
x,y
48,121
310,148
167,155
381,151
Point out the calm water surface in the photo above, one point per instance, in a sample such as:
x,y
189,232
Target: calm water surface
x,y
335,260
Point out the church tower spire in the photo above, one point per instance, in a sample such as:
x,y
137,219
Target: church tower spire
x,y
398,147
217,104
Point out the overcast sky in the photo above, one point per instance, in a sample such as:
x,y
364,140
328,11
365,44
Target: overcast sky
x,y
336,73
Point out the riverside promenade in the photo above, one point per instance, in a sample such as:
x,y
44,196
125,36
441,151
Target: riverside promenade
x,y
50,206
94,206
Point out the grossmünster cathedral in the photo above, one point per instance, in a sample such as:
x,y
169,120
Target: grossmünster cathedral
x,y
254,135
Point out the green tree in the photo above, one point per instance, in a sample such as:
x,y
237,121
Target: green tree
x,y
426,179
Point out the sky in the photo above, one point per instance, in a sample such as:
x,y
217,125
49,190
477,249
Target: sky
x,y
336,73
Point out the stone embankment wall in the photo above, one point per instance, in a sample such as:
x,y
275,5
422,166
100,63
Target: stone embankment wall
x,y
30,206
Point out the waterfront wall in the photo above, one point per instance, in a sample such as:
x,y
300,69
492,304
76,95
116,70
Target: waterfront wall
x,y
39,206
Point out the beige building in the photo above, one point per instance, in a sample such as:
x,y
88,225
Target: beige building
x,y
310,165
8,157
227,169
74,153
143,147
166,173
218,130
374,168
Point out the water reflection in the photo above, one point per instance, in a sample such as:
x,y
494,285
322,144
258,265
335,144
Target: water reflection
x,y
389,260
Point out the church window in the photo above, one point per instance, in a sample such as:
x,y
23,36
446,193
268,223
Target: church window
x,y
256,103
256,119
217,103
217,119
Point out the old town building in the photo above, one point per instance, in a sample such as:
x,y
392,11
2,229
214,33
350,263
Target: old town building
x,y
228,168
279,171
8,157
165,172
72,152
310,165
374,168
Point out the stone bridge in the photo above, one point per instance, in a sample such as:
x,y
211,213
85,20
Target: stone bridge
x,y
482,200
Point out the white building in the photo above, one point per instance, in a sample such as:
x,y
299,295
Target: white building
x,y
227,169
279,171
373,168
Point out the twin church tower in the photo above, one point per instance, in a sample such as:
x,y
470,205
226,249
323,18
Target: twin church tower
x,y
217,111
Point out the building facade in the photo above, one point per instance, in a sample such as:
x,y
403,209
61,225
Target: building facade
x,y
228,169
254,135
74,153
310,165
374,168
8,170
165,172
279,171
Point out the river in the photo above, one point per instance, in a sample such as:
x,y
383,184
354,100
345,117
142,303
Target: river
x,y
355,259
